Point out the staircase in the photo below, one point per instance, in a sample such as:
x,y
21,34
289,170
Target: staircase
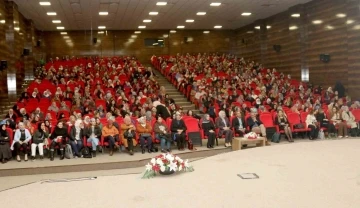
x,y
173,93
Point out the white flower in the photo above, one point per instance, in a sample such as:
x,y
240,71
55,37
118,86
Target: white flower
x,y
148,167
172,166
177,158
180,167
162,168
186,163
169,157
180,160
159,161
153,161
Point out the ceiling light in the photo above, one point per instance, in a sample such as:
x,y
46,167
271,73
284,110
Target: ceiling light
x,y
17,28
189,20
60,28
172,31
142,27
341,15
68,41
295,15
153,13
2,21
51,13
161,3
155,43
147,20
44,3
102,27
349,22
134,36
137,32
103,13
215,4
329,27
180,27
66,37
356,27
217,26
268,27
201,13
257,27
246,14
56,21
293,27
63,33
20,33
131,40
317,22
160,40
101,32
206,32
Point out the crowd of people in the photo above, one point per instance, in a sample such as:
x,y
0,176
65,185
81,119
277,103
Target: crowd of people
x,y
77,106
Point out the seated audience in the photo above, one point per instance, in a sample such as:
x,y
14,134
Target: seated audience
x,y
209,130
178,129
255,124
58,138
223,123
349,118
38,140
5,152
128,136
22,138
77,133
163,134
144,130
335,117
93,135
324,123
111,135
283,123
238,123
311,123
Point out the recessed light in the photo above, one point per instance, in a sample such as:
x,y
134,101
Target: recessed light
x,y
295,15
56,21
206,32
341,15
349,22
17,28
63,33
2,21
165,35
66,37
131,40
102,27
161,3
44,3
201,13
103,13
172,31
51,13
180,27
137,32
294,27
329,27
246,14
147,20
60,28
215,4
20,33
155,43
160,40
189,20
217,26
268,27
68,41
153,13
101,32
142,27
257,27
317,22
134,36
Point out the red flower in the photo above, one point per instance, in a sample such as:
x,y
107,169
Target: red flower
x,y
156,168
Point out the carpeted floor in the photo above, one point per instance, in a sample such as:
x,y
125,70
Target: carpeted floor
x,y
323,174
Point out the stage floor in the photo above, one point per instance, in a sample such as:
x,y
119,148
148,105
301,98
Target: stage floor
x,y
321,174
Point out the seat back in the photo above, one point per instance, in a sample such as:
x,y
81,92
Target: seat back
x,y
192,125
267,120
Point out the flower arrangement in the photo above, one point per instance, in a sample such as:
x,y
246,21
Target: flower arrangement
x,y
251,135
166,163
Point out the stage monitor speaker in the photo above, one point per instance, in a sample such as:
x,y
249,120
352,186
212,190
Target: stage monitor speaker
x,y
325,58
26,52
94,40
277,48
38,43
3,64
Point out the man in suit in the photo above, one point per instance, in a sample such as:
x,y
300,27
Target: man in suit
x,y
224,126
178,129
238,123
255,124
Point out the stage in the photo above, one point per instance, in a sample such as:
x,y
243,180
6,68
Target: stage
x,y
314,174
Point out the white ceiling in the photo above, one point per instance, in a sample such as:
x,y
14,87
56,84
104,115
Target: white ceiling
x,y
129,14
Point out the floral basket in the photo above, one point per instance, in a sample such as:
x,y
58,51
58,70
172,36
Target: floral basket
x,y
251,135
166,164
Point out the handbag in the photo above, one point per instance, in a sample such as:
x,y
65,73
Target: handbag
x,y
128,134
299,126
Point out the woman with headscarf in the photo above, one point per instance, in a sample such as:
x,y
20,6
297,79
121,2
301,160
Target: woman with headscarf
x,y
144,129
38,140
5,152
93,134
58,137
76,137
336,117
126,128
224,126
22,138
209,130
349,118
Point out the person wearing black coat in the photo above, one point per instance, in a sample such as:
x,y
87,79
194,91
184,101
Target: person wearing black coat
x,y
209,130
5,152
77,134
178,129
58,137
93,135
238,123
